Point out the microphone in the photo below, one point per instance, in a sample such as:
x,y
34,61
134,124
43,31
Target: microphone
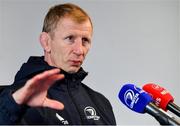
x,y
140,101
162,97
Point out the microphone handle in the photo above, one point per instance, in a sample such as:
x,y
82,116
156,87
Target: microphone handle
x,y
162,117
174,108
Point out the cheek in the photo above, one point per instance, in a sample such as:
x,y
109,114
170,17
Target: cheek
x,y
56,51
86,50
64,53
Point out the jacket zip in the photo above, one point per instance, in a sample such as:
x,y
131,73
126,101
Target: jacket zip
x,y
69,92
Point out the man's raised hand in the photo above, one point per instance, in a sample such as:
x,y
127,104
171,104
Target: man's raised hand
x,y
34,92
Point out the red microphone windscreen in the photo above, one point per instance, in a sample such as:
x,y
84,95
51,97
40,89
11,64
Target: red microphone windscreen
x,y
160,95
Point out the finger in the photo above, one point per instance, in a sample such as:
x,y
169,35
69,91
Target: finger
x,y
53,79
53,104
45,75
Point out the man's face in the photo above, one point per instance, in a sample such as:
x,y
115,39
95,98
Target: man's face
x,y
69,44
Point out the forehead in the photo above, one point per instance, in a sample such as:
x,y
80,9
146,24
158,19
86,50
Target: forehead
x,y
68,24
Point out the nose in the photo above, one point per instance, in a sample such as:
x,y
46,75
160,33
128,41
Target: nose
x,y
78,47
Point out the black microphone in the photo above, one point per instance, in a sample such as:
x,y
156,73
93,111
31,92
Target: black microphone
x,y
162,98
140,101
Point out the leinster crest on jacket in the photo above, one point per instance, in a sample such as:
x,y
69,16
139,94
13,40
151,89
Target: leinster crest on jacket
x,y
90,113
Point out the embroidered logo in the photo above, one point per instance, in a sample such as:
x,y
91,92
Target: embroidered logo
x,y
90,113
65,122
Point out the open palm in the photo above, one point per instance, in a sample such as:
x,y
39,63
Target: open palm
x,y
34,93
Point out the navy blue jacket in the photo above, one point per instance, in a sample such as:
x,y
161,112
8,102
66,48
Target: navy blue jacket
x,y
82,104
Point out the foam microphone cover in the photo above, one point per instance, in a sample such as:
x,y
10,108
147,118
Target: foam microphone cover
x,y
160,95
134,98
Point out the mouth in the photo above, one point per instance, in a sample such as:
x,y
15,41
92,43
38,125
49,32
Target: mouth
x,y
76,63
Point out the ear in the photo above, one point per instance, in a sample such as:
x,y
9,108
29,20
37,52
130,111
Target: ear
x,y
45,39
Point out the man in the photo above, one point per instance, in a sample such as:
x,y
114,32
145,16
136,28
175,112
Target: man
x,y
48,89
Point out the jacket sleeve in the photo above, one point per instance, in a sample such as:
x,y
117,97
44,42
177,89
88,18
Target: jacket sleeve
x,y
103,105
10,111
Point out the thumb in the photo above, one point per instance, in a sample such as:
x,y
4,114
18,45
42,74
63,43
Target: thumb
x,y
53,104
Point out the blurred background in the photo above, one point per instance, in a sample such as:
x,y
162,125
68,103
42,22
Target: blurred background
x,y
135,41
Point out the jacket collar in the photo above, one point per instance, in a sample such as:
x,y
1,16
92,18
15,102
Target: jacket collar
x,y
36,65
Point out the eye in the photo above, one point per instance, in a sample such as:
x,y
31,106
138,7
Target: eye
x,y
70,38
85,40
